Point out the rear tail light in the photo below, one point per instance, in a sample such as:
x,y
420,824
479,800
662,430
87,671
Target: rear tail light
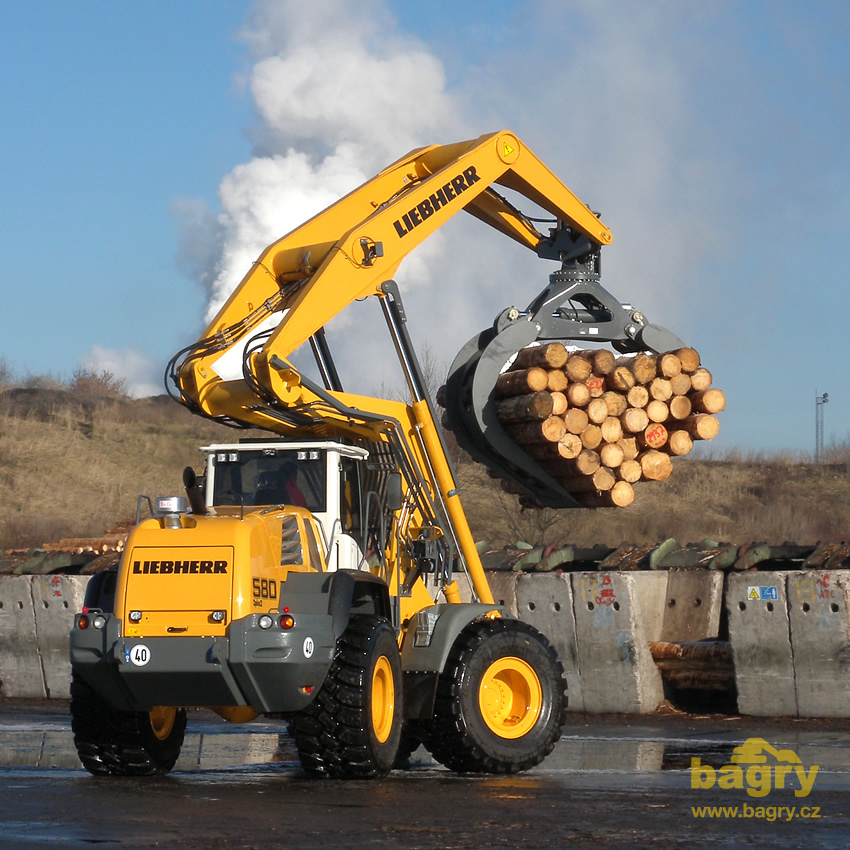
x,y
83,621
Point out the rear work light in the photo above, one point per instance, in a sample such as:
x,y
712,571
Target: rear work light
x,y
135,616
218,616
99,621
265,622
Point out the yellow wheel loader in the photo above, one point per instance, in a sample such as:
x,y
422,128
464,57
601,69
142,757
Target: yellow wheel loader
x,y
317,573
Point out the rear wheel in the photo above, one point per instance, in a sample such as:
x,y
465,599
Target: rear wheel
x,y
352,728
500,700
124,743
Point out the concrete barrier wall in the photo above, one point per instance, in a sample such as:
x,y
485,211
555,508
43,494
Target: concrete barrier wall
x,y
789,633
36,616
21,674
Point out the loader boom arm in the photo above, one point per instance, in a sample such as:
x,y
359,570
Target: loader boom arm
x,y
351,250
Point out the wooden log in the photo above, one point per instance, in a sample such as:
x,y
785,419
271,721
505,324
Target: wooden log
x,y
655,465
661,389
522,382
600,480
701,426
597,410
611,455
575,420
586,462
669,365
552,355
701,379
602,360
629,446
653,437
596,385
680,407
521,408
570,446
708,401
612,430
591,437
559,404
679,443
689,358
550,430
621,495
680,384
638,396
578,394
578,368
629,470
616,402
557,381
621,379
643,366
634,420
657,411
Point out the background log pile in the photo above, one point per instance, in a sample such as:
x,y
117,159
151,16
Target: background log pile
x,y
599,423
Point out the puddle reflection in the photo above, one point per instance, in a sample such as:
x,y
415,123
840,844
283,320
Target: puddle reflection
x,y
216,748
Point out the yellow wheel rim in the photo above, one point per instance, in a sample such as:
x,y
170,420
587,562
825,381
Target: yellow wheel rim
x,y
383,699
162,720
510,697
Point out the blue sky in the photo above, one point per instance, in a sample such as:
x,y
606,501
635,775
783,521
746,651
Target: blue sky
x,y
149,151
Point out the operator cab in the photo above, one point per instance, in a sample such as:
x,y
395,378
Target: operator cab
x,y
327,478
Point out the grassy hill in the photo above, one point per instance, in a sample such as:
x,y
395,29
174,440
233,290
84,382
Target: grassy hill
x,y
73,461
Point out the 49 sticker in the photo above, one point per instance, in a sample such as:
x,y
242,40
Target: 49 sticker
x,y
137,655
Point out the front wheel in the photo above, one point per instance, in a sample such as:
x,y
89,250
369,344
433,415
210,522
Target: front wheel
x,y
352,728
124,743
501,699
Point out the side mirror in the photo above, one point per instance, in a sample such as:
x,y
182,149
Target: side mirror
x,y
395,496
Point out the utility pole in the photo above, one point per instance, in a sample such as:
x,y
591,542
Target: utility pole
x,y
820,401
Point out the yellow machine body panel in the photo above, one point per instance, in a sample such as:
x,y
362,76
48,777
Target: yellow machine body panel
x,y
196,579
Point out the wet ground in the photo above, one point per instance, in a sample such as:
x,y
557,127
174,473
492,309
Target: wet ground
x,y
611,782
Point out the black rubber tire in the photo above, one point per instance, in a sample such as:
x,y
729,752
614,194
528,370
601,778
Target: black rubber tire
x,y
336,735
121,743
459,736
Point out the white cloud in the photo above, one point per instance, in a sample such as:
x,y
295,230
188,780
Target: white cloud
x,y
140,374
339,93
602,98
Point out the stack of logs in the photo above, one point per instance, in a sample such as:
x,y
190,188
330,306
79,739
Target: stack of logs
x,y
598,423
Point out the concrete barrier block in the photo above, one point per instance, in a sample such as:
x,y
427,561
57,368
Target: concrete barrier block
x,y
650,589
820,630
20,664
693,606
545,601
761,644
618,673
56,598
503,586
